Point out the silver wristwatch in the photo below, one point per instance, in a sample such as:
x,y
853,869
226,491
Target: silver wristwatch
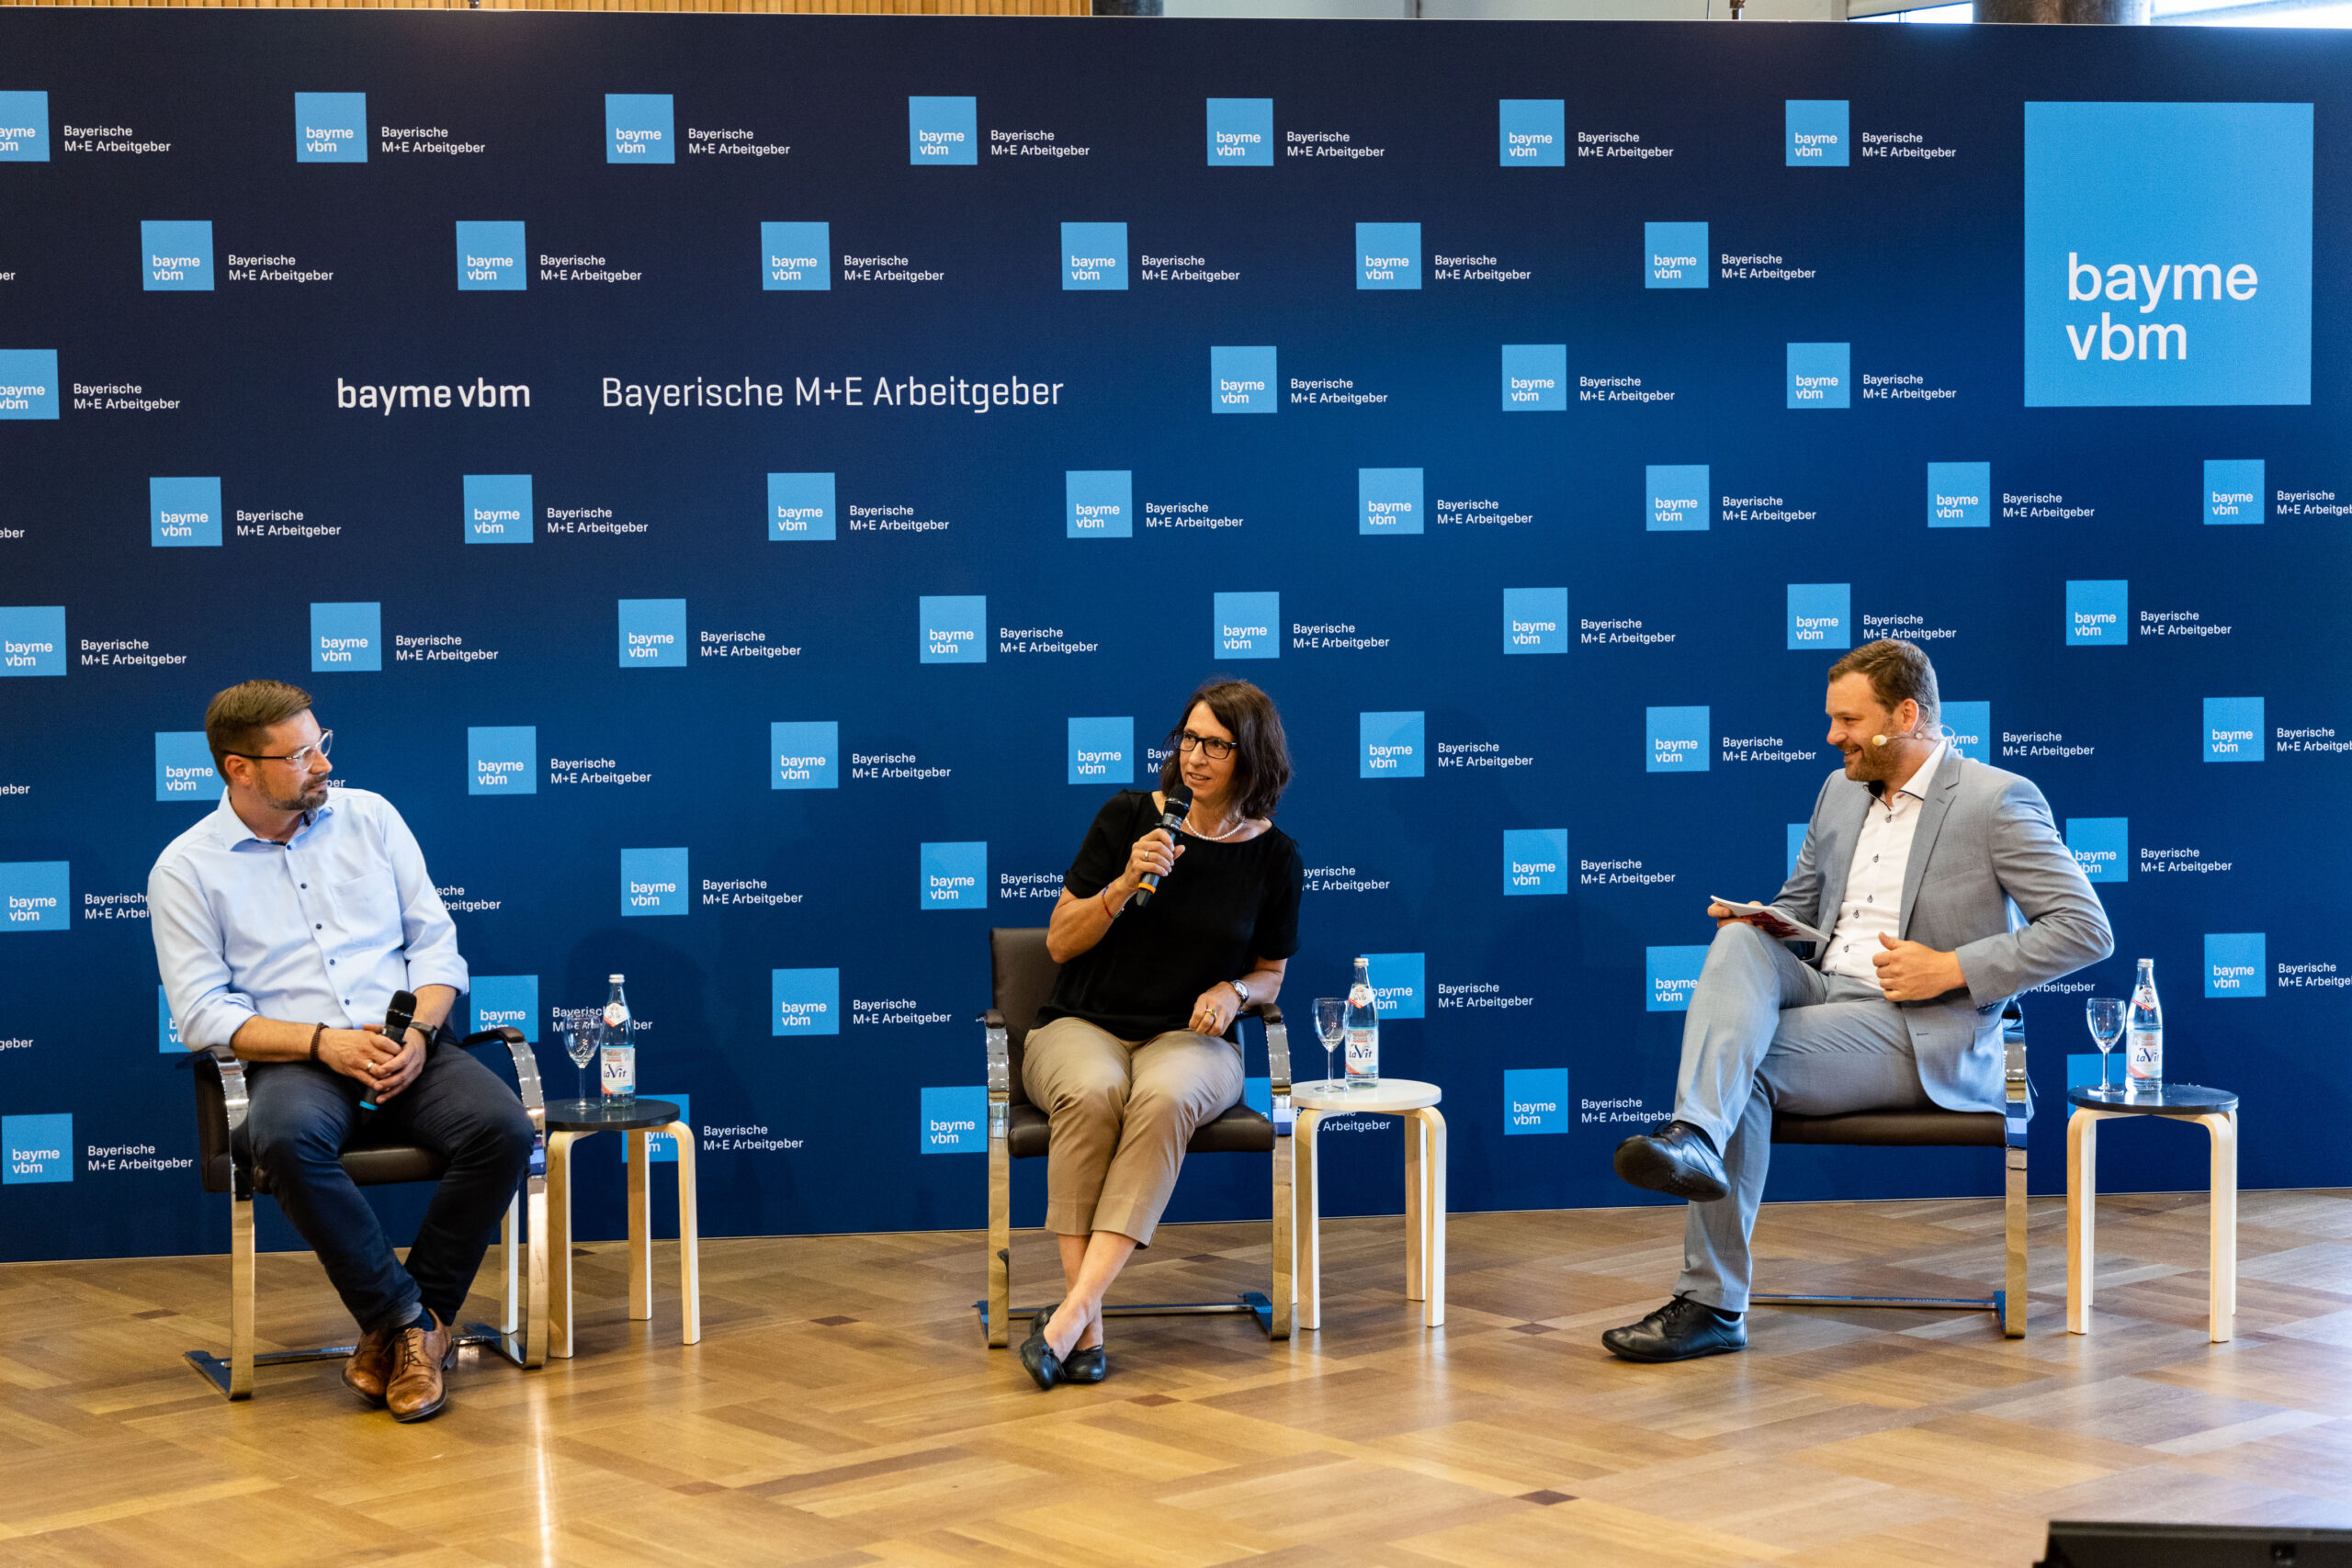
x,y
1241,989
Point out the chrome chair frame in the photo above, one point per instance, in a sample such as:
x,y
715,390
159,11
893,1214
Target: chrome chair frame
x,y
522,1338
1274,1310
2009,1302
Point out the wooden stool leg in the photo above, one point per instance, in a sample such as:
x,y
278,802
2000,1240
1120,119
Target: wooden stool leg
x,y
1433,1201
1415,1210
2082,1215
1309,1222
557,1331
2223,1252
640,1226
689,1235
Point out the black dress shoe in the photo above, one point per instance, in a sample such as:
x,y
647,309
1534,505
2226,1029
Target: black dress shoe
x,y
1675,1158
1679,1331
1085,1366
1037,1356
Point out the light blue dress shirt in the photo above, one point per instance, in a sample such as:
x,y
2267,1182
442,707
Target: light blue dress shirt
x,y
322,928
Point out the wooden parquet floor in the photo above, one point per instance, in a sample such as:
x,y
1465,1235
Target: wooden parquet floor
x,y
841,1409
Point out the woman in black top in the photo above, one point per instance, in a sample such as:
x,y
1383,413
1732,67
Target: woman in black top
x,y
1128,1058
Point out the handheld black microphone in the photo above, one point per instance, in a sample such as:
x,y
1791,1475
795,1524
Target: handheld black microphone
x,y
400,1016
1171,817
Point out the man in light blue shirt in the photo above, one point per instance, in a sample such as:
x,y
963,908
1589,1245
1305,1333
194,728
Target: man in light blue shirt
x,y
284,922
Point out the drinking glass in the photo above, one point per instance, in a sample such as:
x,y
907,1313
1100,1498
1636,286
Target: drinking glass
x,y
1331,1025
579,1044
2105,1016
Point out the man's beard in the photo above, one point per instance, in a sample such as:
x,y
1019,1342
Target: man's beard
x,y
309,799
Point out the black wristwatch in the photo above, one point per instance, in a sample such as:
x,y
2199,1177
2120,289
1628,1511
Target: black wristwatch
x,y
1241,989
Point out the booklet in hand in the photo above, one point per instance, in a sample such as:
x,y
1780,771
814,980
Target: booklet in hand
x,y
1771,921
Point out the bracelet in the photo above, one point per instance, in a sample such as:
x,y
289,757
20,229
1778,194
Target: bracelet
x,y
316,1030
1115,912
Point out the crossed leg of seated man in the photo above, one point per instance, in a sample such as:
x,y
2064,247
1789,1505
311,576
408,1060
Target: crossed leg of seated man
x,y
1766,1031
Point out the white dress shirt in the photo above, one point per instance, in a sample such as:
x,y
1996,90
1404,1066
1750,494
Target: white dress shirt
x,y
1873,897
323,927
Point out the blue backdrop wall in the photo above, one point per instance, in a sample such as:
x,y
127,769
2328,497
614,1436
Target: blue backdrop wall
x,y
747,489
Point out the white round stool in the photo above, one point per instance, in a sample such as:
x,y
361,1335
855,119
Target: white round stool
x,y
1424,1186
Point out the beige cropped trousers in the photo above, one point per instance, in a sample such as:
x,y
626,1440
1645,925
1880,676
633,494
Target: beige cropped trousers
x,y
1121,1111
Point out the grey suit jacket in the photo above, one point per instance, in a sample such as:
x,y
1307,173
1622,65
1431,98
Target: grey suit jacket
x,y
1988,878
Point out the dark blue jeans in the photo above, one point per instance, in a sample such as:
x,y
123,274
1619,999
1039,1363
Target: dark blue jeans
x,y
303,1116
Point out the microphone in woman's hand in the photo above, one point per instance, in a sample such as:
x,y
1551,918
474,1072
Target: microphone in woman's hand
x,y
1171,817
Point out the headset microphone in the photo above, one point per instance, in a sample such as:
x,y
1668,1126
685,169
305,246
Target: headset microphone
x,y
1171,817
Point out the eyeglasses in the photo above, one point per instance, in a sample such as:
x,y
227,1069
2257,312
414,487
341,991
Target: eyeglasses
x,y
300,756
1215,747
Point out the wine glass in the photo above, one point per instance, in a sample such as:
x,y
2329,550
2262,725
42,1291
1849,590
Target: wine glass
x,y
2105,1016
579,1044
1331,1025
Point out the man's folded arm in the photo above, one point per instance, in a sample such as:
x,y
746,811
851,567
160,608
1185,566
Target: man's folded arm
x,y
188,955
2065,926
1800,896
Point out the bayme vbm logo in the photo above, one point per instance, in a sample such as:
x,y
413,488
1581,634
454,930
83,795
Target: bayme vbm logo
x,y
2168,254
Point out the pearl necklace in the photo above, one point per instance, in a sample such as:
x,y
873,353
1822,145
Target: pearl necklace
x,y
1238,823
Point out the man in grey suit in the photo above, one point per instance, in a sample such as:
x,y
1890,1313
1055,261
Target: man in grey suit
x,y
1920,864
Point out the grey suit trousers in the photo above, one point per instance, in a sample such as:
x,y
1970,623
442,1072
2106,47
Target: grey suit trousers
x,y
1768,1029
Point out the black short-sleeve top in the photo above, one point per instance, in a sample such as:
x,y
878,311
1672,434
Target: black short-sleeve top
x,y
1225,905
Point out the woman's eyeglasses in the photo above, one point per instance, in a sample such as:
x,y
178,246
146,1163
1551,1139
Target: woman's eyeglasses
x,y
1216,746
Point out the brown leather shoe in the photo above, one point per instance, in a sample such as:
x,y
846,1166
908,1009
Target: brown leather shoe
x,y
417,1389
370,1366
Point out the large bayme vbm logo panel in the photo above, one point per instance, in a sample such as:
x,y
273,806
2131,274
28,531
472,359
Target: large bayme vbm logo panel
x,y
2168,254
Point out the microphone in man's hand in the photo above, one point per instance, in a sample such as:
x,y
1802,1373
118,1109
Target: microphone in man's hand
x,y
1171,817
400,1016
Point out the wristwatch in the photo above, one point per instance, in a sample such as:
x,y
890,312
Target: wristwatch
x,y
1241,989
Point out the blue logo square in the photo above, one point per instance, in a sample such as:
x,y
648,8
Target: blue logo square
x,y
2083,1069
175,256
955,877
1099,503
1535,620
2234,730
943,130
1102,751
795,256
2098,613
1798,833
653,634
29,383
1535,1100
2235,965
1677,741
804,1001
1816,133
183,513
1241,133
167,1033
800,507
183,769
2233,490
1534,133
330,128
955,1120
1388,500
654,882
37,1148
1820,615
1673,974
498,509
1389,746
1396,984
505,1001
492,255
639,129
1536,378
1243,381
1960,495
804,754
1819,376
1388,255
1536,862
32,640
1972,729
502,759
660,1148
1094,255
1245,626
24,128
1674,255
36,895
2168,254
1258,1094
1678,499
2101,846
346,637
954,628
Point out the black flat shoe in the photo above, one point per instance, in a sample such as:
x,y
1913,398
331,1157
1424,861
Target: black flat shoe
x,y
1037,1356
1086,1366
1675,1158
1679,1331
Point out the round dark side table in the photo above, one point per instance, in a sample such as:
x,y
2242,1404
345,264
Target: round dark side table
x,y
2216,1110
568,1120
